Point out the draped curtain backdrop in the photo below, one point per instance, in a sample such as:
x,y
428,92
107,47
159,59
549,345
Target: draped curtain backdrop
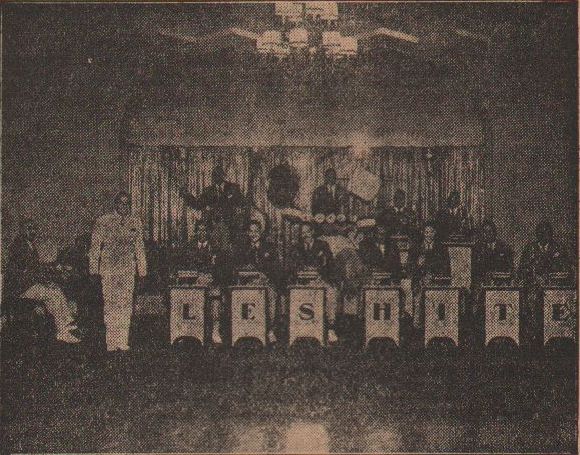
x,y
426,175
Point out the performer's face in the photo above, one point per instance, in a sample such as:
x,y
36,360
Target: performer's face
x,y
217,177
306,233
429,234
399,200
453,200
30,231
380,234
544,234
201,233
488,233
123,206
254,232
330,177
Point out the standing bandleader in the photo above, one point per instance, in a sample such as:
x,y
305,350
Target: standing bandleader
x,y
116,255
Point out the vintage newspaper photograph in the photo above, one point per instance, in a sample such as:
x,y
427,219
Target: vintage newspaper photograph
x,y
289,227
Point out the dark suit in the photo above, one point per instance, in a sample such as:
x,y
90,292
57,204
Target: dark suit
x,y
398,221
317,255
198,257
490,258
264,258
206,258
23,266
86,293
325,202
220,202
436,260
452,222
536,263
389,261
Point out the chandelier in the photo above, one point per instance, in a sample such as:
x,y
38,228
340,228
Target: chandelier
x,y
307,29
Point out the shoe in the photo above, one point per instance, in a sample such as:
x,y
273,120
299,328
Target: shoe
x,y
332,338
271,337
68,338
215,337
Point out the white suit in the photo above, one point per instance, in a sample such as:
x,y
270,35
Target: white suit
x,y
117,253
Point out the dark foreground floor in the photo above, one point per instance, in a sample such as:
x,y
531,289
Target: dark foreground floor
x,y
289,401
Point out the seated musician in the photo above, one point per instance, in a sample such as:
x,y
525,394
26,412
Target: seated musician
x,y
453,220
79,287
399,218
379,253
490,256
351,273
211,259
542,259
26,278
257,254
428,260
314,254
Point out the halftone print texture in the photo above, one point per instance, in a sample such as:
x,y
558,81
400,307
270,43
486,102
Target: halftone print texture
x,y
289,227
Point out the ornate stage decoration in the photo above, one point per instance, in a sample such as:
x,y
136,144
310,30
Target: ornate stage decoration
x,y
307,30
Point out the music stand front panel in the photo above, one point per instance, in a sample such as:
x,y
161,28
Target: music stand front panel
x,y
382,313
307,307
502,314
442,313
560,312
187,313
249,309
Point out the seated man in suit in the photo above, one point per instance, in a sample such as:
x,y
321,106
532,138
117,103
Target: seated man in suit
x,y
313,253
453,220
379,252
428,259
490,255
85,292
399,218
221,201
540,258
330,197
25,278
212,260
257,254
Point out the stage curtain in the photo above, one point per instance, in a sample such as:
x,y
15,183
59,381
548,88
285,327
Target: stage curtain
x,y
157,174
426,175
429,175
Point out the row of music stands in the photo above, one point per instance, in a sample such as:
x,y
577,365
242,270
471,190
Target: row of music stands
x,y
382,309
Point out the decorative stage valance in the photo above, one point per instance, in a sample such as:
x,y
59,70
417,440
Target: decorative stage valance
x,y
427,176
227,103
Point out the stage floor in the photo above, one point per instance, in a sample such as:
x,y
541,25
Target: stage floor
x,y
156,399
